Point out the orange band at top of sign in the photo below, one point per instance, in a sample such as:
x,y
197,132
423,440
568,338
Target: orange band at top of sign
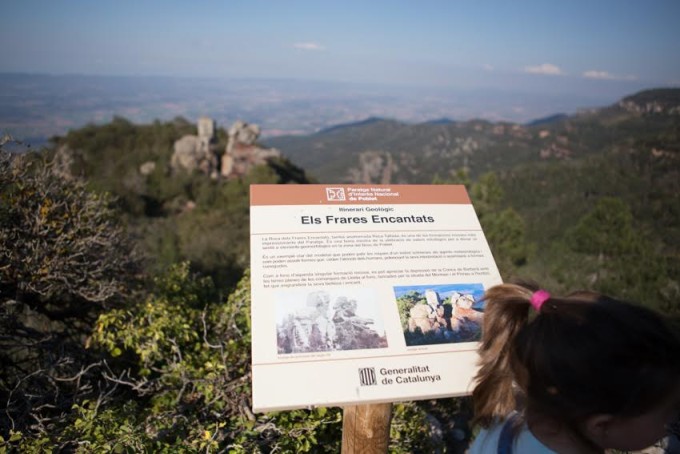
x,y
356,194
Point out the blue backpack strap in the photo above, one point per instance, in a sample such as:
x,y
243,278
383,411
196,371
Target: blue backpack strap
x,y
507,436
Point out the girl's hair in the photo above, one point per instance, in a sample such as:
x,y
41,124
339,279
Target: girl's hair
x,y
580,355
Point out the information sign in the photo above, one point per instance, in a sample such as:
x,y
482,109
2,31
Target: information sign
x,y
364,293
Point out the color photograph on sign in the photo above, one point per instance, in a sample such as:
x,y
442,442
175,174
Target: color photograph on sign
x,y
437,314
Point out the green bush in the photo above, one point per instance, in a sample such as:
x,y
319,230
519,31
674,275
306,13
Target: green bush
x,y
181,364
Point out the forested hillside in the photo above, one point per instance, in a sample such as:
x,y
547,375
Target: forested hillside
x,y
124,284
613,170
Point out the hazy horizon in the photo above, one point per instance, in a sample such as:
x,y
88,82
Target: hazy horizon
x,y
38,106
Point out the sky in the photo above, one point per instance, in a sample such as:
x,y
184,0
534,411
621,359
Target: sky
x,y
572,46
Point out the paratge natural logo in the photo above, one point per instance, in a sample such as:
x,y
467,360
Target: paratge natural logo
x,y
335,194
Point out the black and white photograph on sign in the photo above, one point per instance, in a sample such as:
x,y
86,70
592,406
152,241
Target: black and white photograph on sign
x,y
440,314
328,320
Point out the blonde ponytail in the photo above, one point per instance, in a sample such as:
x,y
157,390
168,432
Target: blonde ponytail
x,y
506,312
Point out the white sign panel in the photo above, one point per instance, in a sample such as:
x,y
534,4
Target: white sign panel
x,y
364,294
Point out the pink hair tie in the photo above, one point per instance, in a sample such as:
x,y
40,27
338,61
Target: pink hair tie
x,y
538,298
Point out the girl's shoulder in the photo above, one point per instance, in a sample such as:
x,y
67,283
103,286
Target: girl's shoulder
x,y
521,442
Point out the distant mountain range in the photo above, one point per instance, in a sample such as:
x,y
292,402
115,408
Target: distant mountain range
x,y
380,150
547,120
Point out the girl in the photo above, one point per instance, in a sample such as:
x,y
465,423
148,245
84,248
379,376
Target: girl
x,y
578,374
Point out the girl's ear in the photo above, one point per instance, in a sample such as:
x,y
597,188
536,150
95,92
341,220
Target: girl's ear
x,y
597,427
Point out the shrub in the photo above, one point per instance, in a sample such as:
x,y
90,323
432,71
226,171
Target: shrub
x,y
64,258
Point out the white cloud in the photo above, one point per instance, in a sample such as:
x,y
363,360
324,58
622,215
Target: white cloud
x,y
594,74
604,75
308,46
488,67
546,69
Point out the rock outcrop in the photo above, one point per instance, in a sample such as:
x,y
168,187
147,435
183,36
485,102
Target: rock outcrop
x,y
660,101
197,152
63,161
201,152
375,167
649,108
242,153
147,168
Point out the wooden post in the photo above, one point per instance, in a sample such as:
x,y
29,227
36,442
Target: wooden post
x,y
366,428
